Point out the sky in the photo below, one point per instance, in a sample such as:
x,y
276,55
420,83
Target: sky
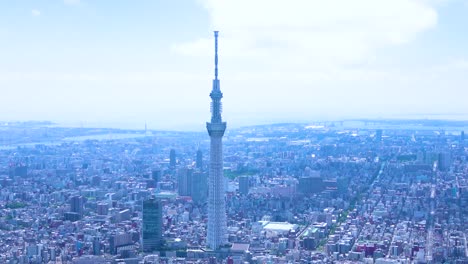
x,y
123,63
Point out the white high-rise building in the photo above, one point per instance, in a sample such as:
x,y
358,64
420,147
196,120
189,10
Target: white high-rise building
x,y
217,225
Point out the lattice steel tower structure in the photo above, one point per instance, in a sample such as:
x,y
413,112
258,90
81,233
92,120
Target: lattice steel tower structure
x,y
217,226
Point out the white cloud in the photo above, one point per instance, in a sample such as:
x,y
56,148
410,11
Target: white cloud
x,y
35,12
307,33
314,57
334,57
71,2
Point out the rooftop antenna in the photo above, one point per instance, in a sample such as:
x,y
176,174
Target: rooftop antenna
x,y
216,54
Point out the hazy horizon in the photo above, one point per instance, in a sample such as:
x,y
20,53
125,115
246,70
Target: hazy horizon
x,y
198,126
123,63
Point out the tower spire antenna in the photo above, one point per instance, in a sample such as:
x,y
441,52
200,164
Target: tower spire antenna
x,y
216,54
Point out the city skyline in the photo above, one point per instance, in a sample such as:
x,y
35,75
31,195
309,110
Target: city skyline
x,y
121,65
346,137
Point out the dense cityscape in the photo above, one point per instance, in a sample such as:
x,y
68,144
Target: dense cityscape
x,y
331,192
336,136
295,193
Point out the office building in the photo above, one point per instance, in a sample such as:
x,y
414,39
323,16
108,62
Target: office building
x,y
444,161
244,185
120,240
96,245
378,135
172,158
156,175
310,185
199,161
152,225
199,187
184,176
76,205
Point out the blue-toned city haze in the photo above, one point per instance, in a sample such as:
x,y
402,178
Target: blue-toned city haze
x,y
124,63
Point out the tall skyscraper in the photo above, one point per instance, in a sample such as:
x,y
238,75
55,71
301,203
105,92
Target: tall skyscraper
x,y
76,205
199,187
184,181
156,175
244,185
199,159
96,245
444,161
378,135
217,225
152,225
462,136
172,158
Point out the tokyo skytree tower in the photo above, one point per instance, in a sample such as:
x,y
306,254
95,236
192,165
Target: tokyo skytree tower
x,y
217,226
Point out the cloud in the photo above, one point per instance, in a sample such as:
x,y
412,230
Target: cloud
x,y
35,12
71,2
300,34
334,57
